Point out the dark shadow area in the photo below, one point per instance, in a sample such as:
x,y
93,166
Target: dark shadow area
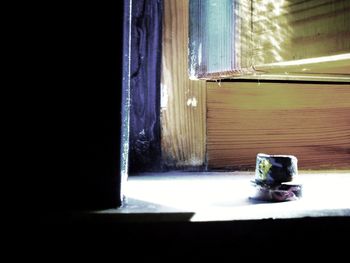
x,y
309,238
75,108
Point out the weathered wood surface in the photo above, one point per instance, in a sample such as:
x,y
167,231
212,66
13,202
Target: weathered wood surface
x,y
183,101
145,62
267,32
310,121
299,29
220,37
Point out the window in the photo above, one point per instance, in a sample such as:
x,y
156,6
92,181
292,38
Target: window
x,y
270,39
267,76
189,109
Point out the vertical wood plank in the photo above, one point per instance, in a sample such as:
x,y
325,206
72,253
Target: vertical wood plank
x,y
183,101
145,56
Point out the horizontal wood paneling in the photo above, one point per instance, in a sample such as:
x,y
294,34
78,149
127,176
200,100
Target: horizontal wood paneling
x,y
310,121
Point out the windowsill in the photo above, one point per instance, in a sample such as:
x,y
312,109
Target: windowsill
x,y
207,214
224,196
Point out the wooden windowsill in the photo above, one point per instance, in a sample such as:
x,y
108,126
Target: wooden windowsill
x,y
224,196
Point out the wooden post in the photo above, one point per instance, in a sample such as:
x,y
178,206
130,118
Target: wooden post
x,y
183,101
145,61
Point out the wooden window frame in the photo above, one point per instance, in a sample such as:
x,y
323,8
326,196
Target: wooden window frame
x,y
272,40
183,103
176,145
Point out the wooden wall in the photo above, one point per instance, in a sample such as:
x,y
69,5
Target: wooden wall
x,y
299,29
310,121
183,101
225,124
264,32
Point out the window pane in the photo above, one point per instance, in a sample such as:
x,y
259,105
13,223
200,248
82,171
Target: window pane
x,y
270,38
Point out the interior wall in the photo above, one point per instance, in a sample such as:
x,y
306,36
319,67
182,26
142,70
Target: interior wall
x,y
308,120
